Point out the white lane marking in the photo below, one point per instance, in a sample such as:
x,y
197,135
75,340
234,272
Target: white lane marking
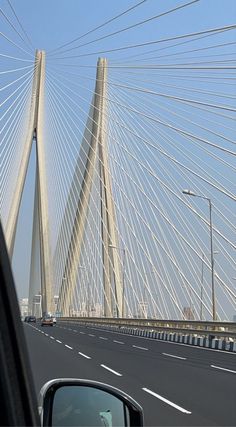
x,y
118,342
229,353
69,329
52,338
74,330
140,348
46,335
82,333
59,341
223,369
91,335
68,347
166,401
84,355
176,357
102,338
111,370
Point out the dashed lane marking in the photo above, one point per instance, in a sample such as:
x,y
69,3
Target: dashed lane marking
x,y
84,355
111,370
163,399
103,338
176,357
140,348
71,348
223,369
59,341
118,342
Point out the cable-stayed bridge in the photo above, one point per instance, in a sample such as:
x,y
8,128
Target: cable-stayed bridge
x,y
117,196
115,134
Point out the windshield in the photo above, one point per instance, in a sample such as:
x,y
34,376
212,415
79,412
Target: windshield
x,y
117,188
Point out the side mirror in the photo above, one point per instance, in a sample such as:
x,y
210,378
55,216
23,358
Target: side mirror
x,y
73,402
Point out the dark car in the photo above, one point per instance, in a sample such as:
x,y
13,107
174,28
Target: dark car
x,y
31,319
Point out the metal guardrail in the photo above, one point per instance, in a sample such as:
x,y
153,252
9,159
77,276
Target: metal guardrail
x,y
201,328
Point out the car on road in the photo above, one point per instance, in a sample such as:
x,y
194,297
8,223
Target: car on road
x,y
47,321
31,319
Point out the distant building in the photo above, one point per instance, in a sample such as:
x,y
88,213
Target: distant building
x,y
143,310
23,304
93,310
36,306
188,313
55,300
96,310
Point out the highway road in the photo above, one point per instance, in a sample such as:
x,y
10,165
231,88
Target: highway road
x,y
177,385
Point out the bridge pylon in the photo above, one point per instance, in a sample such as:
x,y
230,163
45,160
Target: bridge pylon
x,y
96,150
35,133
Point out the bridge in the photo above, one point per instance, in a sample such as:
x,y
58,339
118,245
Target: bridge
x,y
118,192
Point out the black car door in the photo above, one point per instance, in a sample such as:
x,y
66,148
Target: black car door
x,y
17,395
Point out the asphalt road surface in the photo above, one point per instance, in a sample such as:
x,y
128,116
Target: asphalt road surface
x,y
177,385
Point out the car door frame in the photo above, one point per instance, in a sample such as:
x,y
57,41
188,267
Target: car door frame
x,y
17,394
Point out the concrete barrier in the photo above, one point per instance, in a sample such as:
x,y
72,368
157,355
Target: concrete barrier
x,y
224,344
201,342
209,342
213,343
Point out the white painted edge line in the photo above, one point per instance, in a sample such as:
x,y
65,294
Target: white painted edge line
x,y
68,347
176,357
84,355
118,342
111,370
91,335
223,369
103,338
140,348
52,338
59,341
179,408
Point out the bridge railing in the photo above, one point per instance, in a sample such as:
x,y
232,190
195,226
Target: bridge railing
x,y
194,327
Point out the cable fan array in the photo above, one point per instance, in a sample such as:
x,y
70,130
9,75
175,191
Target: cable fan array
x,y
168,125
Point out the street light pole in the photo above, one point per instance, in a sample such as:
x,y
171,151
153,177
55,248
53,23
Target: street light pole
x,y
212,266
202,282
191,193
202,278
